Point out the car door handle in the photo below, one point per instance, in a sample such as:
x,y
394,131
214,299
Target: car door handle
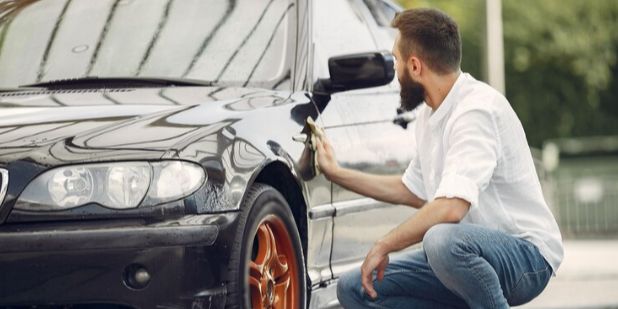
x,y
301,138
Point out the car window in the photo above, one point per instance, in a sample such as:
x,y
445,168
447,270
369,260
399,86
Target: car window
x,y
242,42
339,29
382,12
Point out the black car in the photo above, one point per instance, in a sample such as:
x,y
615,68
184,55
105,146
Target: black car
x,y
155,153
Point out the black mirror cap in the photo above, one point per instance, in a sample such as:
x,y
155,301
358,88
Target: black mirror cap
x,y
364,70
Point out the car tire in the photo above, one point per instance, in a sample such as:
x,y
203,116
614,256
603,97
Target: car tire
x,y
267,267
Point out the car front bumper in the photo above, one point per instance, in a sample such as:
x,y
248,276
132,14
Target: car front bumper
x,y
181,262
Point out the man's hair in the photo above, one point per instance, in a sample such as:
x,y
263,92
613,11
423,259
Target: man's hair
x,y
431,35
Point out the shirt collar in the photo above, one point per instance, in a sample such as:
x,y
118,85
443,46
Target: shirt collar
x,y
450,99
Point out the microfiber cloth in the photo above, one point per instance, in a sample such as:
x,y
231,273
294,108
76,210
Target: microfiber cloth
x,y
316,132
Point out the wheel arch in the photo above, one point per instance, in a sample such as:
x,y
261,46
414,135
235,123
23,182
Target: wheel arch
x,y
279,176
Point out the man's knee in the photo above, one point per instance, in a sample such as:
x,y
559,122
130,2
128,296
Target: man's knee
x,y
442,239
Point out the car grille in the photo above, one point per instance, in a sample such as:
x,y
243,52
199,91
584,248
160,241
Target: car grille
x,y
4,183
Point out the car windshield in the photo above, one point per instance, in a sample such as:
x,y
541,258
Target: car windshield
x,y
233,42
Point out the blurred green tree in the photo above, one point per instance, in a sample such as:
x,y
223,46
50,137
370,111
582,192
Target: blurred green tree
x,y
560,61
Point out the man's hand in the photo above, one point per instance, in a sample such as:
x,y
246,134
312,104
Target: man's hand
x,y
376,259
326,157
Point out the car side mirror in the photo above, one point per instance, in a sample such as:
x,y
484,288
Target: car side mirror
x,y
356,71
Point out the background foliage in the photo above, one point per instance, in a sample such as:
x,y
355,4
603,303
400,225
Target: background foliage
x,y
560,61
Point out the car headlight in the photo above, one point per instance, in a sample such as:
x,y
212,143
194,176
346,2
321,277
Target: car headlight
x,y
114,185
127,185
70,187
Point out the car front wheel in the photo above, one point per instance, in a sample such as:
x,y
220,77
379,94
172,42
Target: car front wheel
x,y
267,266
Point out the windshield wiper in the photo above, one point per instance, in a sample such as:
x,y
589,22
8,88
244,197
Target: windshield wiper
x,y
24,88
118,82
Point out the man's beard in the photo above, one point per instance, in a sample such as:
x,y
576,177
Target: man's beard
x,y
412,92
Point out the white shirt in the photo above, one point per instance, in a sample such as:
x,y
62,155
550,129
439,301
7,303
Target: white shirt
x,y
474,147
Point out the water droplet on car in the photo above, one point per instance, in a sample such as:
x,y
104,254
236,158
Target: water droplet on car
x,y
80,48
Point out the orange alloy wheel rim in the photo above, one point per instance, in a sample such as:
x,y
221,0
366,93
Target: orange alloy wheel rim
x,y
273,272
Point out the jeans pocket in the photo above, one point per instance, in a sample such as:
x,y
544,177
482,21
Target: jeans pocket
x,y
529,286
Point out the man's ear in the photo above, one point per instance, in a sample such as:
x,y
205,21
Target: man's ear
x,y
415,66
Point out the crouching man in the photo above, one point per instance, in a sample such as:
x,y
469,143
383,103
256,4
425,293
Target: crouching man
x,y
489,238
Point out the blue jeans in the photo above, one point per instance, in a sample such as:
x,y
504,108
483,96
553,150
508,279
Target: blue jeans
x,y
460,266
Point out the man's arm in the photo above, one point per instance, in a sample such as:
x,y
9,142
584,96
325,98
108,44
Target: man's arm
x,y
386,188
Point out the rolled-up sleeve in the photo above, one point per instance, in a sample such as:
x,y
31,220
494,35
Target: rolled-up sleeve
x,y
413,178
471,147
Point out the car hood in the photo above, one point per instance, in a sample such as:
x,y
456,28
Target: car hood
x,y
95,125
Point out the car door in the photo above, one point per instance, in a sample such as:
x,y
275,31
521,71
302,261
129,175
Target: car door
x,y
359,124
